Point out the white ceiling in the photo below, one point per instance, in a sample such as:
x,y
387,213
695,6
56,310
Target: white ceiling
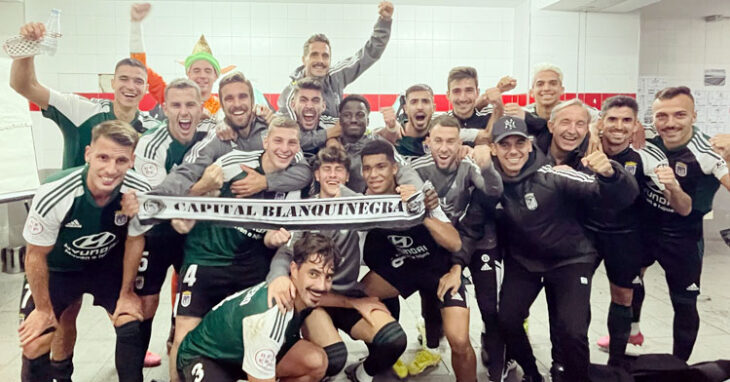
x,y
450,3
686,9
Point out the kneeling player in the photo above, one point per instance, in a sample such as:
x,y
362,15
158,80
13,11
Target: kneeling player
x,y
242,337
76,244
420,259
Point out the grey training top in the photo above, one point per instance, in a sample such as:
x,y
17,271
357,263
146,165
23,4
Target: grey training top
x,y
343,73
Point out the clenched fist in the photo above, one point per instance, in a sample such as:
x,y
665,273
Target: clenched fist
x,y
599,163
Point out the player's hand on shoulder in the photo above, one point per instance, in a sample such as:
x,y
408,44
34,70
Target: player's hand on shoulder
x,y
225,132
385,10
182,226
252,184
139,11
33,31
35,324
281,292
599,163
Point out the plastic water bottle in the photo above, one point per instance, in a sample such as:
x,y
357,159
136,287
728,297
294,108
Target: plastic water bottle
x,y
49,44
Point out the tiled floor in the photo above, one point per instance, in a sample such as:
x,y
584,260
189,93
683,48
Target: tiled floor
x,y
94,358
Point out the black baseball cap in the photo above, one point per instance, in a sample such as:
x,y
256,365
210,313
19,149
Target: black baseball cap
x,y
508,125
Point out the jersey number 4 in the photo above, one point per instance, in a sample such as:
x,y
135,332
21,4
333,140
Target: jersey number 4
x,y
189,278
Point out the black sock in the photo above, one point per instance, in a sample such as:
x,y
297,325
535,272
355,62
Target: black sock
x,y
619,328
638,299
686,325
431,313
130,352
393,305
145,329
63,369
388,344
36,369
336,358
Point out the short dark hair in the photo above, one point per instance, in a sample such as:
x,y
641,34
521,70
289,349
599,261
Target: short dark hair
x,y
312,243
317,37
379,146
460,73
235,77
354,98
128,61
122,133
674,91
331,154
419,88
445,120
308,83
620,101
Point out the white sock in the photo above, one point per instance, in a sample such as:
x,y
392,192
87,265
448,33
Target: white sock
x,y
362,375
635,328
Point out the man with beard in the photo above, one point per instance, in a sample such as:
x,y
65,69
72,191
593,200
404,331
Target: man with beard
x,y
616,233
674,240
220,260
244,337
454,180
316,64
345,307
201,66
420,259
75,115
409,139
197,174
79,241
354,119
545,243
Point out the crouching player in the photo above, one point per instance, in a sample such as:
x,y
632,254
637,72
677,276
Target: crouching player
x,y
244,338
79,241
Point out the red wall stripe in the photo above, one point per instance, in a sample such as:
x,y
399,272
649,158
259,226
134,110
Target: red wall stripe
x,y
383,100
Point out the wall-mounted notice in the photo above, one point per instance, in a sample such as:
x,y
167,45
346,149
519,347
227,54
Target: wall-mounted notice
x,y
715,77
17,154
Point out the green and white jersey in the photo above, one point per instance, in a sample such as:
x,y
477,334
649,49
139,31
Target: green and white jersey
x,y
76,116
158,152
212,244
698,170
243,330
65,215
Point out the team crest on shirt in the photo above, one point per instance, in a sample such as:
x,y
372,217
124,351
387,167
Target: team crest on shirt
x,y
185,298
149,169
266,359
530,201
630,167
680,169
34,226
120,219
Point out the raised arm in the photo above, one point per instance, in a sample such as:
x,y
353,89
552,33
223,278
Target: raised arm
x,y
22,73
137,51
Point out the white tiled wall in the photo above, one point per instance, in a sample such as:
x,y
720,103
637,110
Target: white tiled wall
x,y
681,49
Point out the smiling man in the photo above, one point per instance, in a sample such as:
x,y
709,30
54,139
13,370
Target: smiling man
x,y
308,105
75,115
316,63
80,242
244,337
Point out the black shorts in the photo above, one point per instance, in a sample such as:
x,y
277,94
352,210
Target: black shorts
x,y
203,369
160,252
421,275
621,253
681,259
65,288
202,287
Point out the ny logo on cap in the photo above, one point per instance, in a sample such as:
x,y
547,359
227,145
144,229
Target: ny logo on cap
x,y
509,124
